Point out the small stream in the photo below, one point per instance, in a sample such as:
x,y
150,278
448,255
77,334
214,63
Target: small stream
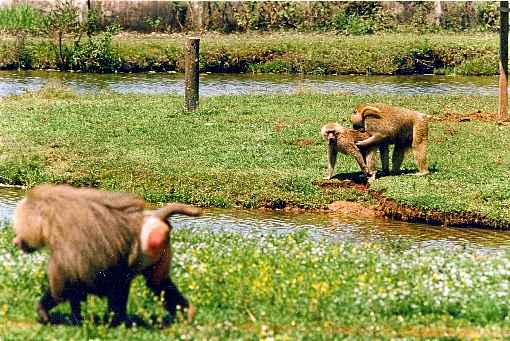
x,y
18,82
319,225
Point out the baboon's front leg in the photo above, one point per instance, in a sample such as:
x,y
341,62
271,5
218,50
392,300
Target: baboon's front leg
x,y
385,158
397,159
370,161
46,303
53,295
332,153
361,162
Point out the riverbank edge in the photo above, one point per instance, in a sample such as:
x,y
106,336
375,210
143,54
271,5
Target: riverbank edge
x,y
391,209
279,53
385,207
35,155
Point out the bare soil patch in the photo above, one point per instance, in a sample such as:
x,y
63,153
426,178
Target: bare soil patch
x,y
463,117
360,186
354,209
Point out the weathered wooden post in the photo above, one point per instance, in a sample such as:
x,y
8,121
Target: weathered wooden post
x,y
191,73
503,62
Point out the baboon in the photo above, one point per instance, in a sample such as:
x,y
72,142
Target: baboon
x,y
343,140
98,242
388,125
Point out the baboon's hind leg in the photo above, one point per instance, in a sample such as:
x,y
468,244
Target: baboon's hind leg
x,y
420,136
397,159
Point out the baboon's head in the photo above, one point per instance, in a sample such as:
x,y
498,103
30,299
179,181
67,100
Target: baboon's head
x,y
28,228
330,131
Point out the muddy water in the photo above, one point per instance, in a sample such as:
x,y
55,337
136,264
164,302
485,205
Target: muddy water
x,y
14,82
330,226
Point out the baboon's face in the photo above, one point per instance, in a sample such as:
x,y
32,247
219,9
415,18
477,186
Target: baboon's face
x,y
357,121
27,228
329,132
331,136
23,245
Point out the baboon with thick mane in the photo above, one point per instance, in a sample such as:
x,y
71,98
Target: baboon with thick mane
x,y
386,125
98,242
343,140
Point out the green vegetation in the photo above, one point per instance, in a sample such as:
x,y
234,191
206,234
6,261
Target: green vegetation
x,y
21,17
311,53
61,37
258,286
244,151
59,40
346,17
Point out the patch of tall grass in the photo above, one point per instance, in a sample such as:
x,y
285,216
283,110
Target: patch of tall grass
x,y
20,17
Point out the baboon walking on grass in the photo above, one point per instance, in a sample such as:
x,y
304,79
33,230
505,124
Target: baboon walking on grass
x,y
343,140
98,242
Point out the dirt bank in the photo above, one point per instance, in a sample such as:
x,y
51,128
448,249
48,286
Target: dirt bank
x,y
389,208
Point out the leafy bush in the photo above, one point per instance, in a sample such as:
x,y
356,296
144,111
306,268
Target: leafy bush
x,y
352,24
97,54
487,15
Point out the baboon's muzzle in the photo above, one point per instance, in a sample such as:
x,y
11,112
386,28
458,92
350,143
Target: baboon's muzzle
x,y
22,245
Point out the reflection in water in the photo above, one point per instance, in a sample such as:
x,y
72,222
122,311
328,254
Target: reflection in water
x,y
319,225
17,82
8,199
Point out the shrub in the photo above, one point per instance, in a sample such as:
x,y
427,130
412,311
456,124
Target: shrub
x,y
97,54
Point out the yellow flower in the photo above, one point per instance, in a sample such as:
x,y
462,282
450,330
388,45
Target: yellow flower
x,y
321,288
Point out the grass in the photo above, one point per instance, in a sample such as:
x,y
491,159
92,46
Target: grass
x,y
311,53
263,286
253,151
20,18
244,151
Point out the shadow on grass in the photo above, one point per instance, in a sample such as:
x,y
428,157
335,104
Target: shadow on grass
x,y
356,179
64,319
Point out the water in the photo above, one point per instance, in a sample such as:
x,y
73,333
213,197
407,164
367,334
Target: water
x,y
8,200
330,226
14,82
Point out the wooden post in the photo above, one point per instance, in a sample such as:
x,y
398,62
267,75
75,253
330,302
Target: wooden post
x,y
503,62
191,73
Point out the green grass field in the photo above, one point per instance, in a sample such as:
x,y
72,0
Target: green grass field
x,y
286,287
264,151
244,151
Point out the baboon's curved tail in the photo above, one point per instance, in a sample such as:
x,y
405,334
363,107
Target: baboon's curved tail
x,y
175,208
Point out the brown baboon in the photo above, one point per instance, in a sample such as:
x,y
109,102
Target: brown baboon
x,y
98,241
343,140
401,127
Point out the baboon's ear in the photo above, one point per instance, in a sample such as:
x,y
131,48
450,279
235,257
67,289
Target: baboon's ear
x,y
371,111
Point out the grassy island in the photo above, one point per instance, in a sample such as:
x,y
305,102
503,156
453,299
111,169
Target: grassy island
x,y
254,151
